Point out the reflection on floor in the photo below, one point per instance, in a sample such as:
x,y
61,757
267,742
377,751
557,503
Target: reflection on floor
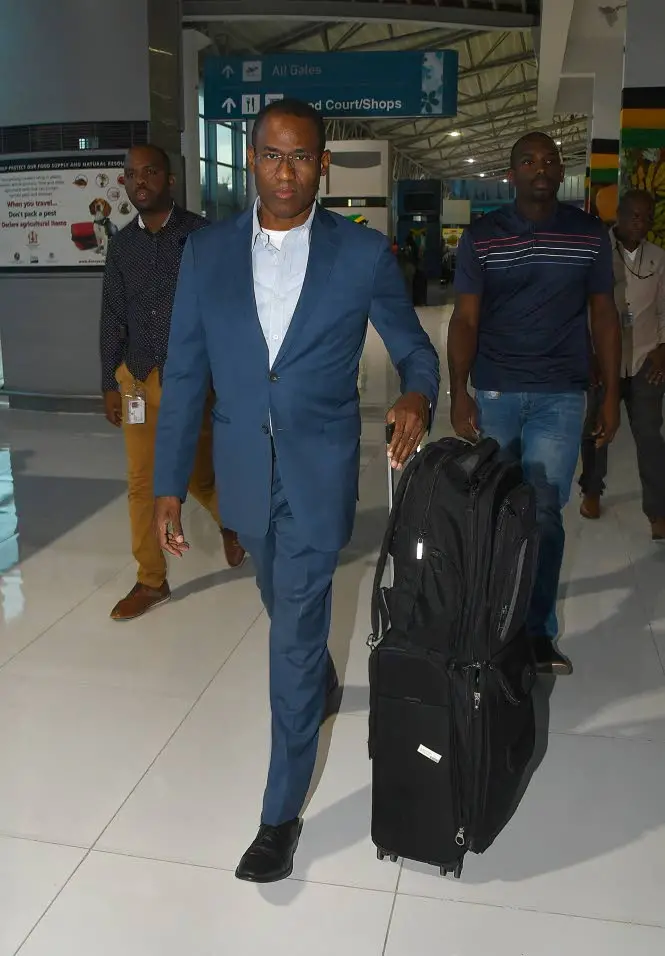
x,y
132,757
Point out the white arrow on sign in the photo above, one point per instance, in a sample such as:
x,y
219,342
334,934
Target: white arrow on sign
x,y
228,104
228,71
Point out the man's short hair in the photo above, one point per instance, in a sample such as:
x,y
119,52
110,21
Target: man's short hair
x,y
537,134
291,107
636,195
158,151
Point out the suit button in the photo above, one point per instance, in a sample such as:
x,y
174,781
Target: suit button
x,y
274,377
265,429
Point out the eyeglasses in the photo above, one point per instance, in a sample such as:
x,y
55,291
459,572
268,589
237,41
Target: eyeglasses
x,y
298,160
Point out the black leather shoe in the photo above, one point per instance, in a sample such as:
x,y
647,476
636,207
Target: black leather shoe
x,y
270,857
549,660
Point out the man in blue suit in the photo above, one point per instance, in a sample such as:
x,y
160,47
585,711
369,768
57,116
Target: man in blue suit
x,y
275,305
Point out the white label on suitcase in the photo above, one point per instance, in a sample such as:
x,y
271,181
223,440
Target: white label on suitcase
x,y
426,752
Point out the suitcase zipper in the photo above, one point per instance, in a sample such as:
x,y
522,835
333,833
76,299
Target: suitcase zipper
x,y
422,534
477,738
507,616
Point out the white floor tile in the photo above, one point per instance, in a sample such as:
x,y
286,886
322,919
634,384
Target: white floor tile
x,y
618,687
335,846
457,929
587,840
87,705
201,801
70,755
139,908
174,650
31,875
41,591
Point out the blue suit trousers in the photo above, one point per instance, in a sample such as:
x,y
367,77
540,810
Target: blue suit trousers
x,y
295,581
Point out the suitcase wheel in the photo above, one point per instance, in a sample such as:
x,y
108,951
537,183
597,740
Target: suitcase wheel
x,y
382,854
443,871
458,870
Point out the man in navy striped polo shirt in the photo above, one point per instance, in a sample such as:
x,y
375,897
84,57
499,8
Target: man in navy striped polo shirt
x,y
530,281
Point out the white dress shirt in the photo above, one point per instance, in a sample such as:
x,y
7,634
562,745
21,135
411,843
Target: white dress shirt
x,y
279,264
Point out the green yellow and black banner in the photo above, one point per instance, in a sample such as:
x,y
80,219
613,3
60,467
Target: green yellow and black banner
x,y
603,178
642,153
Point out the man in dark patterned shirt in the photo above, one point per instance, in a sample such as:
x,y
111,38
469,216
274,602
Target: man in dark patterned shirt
x,y
139,285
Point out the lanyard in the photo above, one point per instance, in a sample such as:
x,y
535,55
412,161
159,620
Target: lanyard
x,y
637,275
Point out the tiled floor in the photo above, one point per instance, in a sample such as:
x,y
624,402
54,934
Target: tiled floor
x,y
132,757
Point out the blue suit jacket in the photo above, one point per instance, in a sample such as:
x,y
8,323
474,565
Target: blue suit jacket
x,y
310,395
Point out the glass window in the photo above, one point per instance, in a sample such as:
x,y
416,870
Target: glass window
x,y
204,177
201,110
225,185
224,145
202,137
224,175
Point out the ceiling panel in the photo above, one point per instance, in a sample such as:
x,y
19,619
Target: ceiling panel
x,y
497,83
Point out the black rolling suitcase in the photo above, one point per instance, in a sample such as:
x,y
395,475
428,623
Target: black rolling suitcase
x,y
452,729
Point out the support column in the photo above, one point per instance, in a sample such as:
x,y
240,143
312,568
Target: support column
x,y
642,154
604,147
77,91
192,44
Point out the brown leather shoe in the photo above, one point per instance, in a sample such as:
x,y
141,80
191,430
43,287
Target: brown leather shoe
x,y
658,529
139,600
590,507
234,551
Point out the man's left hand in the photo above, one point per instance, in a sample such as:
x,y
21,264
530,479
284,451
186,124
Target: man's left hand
x,y
410,416
609,419
655,368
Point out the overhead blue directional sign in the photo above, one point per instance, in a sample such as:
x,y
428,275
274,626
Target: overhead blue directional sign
x,y
339,85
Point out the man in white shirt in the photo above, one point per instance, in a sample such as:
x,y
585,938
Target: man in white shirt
x,y
639,292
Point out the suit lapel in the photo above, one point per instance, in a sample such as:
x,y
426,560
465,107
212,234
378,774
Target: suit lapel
x,y
322,252
243,278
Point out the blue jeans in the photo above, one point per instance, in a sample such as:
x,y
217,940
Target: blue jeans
x,y
542,430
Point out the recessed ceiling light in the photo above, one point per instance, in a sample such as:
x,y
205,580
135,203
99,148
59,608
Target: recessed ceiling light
x,y
470,160
481,175
558,142
454,132
505,180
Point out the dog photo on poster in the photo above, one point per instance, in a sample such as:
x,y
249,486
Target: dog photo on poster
x,y
60,213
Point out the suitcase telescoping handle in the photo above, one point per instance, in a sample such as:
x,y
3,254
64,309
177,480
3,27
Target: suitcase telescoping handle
x,y
379,611
390,431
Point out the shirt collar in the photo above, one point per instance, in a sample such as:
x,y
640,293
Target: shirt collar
x,y
530,224
618,242
165,223
257,230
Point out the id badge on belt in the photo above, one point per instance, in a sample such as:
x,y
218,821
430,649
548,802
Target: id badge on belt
x,y
134,404
626,319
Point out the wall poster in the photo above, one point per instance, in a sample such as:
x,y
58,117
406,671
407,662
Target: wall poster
x,y
59,213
